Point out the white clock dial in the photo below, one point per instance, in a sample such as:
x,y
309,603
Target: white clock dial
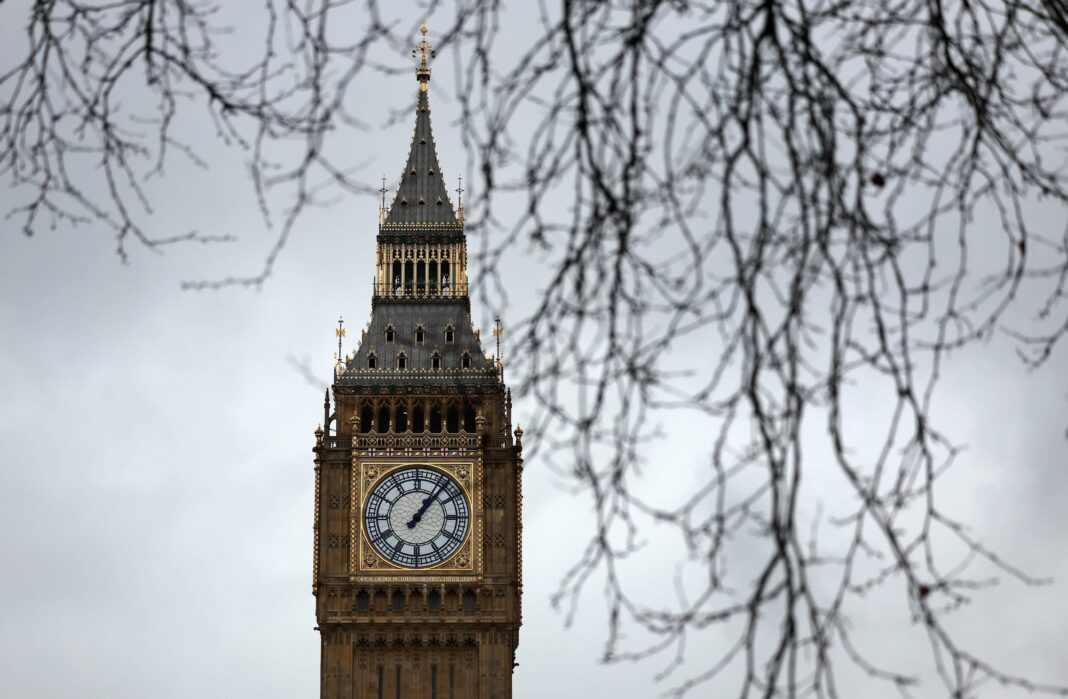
x,y
417,516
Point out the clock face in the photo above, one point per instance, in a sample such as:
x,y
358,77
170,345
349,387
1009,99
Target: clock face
x,y
417,516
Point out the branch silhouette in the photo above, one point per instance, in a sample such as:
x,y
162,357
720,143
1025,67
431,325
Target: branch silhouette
x,y
759,215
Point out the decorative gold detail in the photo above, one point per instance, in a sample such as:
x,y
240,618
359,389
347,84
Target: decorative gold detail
x,y
423,49
466,562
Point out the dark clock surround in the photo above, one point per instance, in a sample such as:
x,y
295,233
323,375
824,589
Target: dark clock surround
x,y
419,391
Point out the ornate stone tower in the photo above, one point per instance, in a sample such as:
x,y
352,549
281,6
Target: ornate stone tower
x,y
417,567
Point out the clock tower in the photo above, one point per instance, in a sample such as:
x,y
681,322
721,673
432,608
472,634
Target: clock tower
x,y
417,548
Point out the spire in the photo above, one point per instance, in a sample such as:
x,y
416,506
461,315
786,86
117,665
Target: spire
x,y
421,195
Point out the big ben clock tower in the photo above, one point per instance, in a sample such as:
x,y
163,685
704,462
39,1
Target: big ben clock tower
x,y
417,562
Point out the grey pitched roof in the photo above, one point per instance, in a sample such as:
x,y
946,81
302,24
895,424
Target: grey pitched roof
x,y
405,317
421,195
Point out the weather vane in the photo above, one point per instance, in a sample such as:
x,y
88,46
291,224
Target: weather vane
x,y
340,332
460,199
382,208
498,330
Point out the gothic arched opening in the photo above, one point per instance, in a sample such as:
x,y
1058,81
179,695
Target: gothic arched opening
x,y
383,419
418,421
435,418
452,420
469,418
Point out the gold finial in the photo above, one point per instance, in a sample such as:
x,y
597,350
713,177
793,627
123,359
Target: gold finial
x,y
382,208
460,200
498,330
340,332
422,73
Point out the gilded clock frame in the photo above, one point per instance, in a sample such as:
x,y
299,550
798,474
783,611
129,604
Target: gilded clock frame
x,y
367,564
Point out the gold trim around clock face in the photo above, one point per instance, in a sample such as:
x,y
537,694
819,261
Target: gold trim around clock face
x,y
367,563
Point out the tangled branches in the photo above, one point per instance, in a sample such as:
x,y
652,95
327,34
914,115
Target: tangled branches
x,y
771,203
762,214
89,113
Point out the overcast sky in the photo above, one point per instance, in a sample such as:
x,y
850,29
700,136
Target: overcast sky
x,y
156,468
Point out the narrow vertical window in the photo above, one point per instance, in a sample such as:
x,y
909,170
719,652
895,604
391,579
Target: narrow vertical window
x,y
398,682
372,361
452,682
433,682
465,360
420,334
402,361
435,361
391,334
450,334
380,680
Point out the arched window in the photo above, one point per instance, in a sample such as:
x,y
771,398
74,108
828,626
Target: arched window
x,y
465,360
420,334
363,601
450,334
402,361
383,419
452,420
391,334
400,418
435,361
469,418
418,419
398,601
372,361
469,601
435,418
433,601
367,418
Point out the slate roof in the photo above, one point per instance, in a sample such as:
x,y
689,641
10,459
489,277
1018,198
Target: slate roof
x,y
421,196
404,317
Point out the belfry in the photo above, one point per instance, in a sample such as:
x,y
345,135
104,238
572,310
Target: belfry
x,y
418,474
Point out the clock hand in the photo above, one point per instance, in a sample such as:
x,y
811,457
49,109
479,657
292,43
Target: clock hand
x,y
426,503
